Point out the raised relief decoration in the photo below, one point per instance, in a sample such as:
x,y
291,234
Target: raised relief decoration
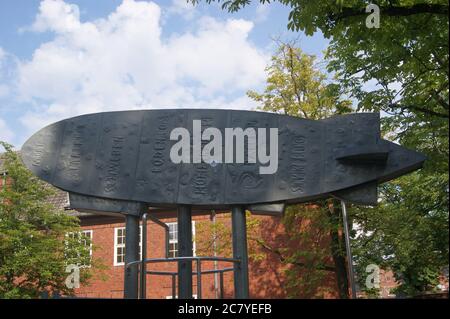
x,y
216,158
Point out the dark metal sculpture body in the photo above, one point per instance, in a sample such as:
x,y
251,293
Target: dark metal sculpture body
x,y
125,156
119,162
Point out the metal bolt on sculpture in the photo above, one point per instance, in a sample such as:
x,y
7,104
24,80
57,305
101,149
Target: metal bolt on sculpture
x,y
195,160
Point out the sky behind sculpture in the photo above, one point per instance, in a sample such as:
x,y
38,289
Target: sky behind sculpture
x,y
64,58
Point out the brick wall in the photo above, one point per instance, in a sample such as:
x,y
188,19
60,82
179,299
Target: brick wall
x,y
267,278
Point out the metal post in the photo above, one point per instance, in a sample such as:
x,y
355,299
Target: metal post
x,y
349,250
199,279
143,273
216,264
166,229
174,286
131,254
184,250
240,252
221,285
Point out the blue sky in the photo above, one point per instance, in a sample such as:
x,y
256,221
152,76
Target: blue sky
x,y
65,58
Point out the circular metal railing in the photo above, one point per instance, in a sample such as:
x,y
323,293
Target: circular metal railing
x,y
141,264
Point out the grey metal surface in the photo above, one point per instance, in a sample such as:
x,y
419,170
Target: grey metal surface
x,y
125,156
166,233
143,266
239,234
131,278
83,203
185,250
267,209
348,248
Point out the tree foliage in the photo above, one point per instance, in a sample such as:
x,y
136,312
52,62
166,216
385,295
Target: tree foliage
x,y
295,86
34,249
401,70
302,247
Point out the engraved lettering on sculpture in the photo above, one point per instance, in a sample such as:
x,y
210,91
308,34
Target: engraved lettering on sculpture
x,y
38,152
160,145
75,155
297,167
113,166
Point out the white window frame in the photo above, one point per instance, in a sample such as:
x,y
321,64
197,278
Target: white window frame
x,y
116,245
171,241
194,246
91,237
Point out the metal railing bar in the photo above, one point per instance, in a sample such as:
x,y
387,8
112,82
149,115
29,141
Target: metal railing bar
x,y
166,227
174,286
204,272
143,270
221,285
174,259
199,279
143,267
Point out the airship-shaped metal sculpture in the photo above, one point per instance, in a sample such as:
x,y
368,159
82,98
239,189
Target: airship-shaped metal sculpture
x,y
120,160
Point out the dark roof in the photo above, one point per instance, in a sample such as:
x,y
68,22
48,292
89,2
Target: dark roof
x,y
59,198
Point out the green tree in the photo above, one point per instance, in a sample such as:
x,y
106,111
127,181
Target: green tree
x,y
406,57
295,86
34,248
401,70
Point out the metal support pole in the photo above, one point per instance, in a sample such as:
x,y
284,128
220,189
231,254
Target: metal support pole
x,y
174,286
221,285
199,279
143,273
131,254
349,250
184,250
240,252
216,264
166,230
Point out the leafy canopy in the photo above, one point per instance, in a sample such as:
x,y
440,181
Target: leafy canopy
x,y
401,70
34,251
312,249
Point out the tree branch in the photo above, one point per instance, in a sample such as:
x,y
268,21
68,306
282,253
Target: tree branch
x,y
393,11
419,109
283,259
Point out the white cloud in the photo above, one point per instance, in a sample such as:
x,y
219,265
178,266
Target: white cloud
x,y
6,134
182,8
262,13
123,62
4,89
57,16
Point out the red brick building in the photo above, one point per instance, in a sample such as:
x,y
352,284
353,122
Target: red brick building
x,y
107,235
267,279
267,273
107,232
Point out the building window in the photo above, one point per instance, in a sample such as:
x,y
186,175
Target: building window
x,y
119,245
173,239
72,254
